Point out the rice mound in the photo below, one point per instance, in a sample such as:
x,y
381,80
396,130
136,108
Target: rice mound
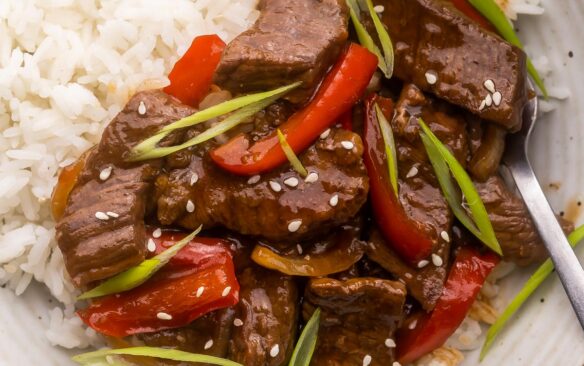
x,y
67,67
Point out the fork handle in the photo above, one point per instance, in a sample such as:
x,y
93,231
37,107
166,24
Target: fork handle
x,y
562,255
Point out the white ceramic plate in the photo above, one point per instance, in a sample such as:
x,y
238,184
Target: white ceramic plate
x,y
544,333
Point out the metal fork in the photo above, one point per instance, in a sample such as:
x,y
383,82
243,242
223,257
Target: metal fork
x,y
567,265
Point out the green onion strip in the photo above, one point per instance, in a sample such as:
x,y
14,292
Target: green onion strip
x,y
528,289
386,60
145,149
490,10
447,167
304,349
292,158
390,149
137,275
91,358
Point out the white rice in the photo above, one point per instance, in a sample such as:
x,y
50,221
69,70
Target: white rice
x,y
66,68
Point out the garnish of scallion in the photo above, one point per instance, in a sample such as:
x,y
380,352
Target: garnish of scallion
x,y
446,168
390,149
304,349
490,10
92,358
137,275
292,158
386,60
528,289
251,101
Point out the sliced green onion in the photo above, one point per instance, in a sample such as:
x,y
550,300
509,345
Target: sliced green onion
x,y
137,275
228,123
292,158
390,149
164,353
529,288
210,113
304,349
364,36
490,10
384,39
446,167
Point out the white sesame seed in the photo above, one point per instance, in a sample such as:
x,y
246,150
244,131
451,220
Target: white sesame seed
x,y
444,235
291,182
348,145
437,260
413,172
105,173
488,100
180,338
379,8
254,179
101,216
413,324
423,263
209,344
237,322
431,77
226,291
276,187
396,364
200,291
307,257
157,233
325,134
408,276
142,109
110,359
112,214
497,97
312,177
164,316
389,343
275,350
299,248
334,200
489,85
151,246
194,179
483,105
190,206
367,360
293,226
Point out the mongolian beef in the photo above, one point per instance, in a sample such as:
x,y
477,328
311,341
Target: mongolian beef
x,y
323,187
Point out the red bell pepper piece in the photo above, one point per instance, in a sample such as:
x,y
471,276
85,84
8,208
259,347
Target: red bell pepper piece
x,y
340,90
397,228
192,75
465,7
468,273
174,290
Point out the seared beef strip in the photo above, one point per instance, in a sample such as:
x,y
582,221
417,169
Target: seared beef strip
x,y
95,247
291,41
267,206
265,317
268,308
358,317
512,223
513,226
215,326
424,284
431,36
